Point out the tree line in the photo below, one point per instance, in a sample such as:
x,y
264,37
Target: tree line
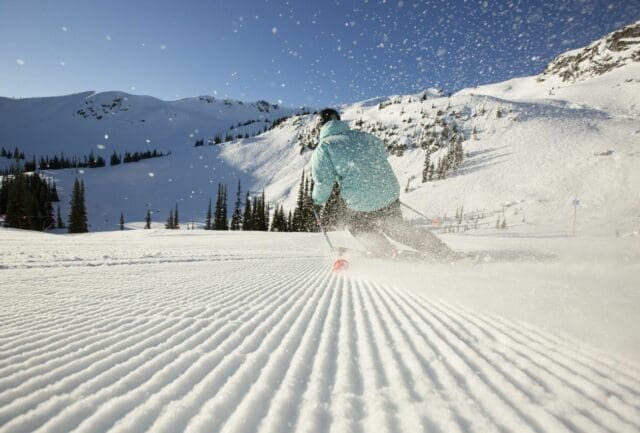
x,y
26,201
254,213
228,137
92,161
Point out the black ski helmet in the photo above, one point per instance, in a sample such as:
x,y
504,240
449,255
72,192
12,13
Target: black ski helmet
x,y
327,115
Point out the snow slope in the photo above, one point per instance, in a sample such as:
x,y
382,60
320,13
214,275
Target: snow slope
x,y
103,122
199,331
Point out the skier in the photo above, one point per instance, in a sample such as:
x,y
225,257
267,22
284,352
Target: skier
x,y
357,161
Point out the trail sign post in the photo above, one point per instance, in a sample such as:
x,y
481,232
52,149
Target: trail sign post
x,y
576,203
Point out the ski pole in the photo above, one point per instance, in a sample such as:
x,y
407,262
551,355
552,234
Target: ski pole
x,y
410,208
339,264
326,236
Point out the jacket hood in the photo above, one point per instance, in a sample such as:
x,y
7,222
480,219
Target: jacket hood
x,y
334,127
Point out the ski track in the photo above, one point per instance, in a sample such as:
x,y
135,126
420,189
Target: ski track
x,y
244,344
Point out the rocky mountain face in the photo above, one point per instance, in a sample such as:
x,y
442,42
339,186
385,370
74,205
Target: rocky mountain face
x,y
613,51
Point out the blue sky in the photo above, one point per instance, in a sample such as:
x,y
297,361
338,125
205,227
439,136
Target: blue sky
x,y
313,53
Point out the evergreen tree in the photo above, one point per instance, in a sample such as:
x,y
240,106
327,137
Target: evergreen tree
x,y
121,221
59,222
247,218
255,214
297,221
425,170
305,212
441,170
78,214
303,215
147,219
26,200
54,193
289,222
176,220
16,157
260,216
207,222
266,213
220,216
16,207
334,212
278,223
312,226
170,224
218,210
236,219
274,221
115,159
224,218
83,208
432,171
4,191
49,221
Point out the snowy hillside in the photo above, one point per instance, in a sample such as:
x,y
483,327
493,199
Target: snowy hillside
x,y
613,51
532,146
108,121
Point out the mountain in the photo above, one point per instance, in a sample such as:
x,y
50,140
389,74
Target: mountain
x,y
532,148
79,123
613,51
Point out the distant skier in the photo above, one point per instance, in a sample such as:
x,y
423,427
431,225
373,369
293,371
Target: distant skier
x,y
357,161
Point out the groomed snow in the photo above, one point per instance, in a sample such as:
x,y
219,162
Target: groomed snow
x,y
194,331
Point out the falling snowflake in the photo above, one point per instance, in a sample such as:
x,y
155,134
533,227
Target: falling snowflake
x,y
20,62
151,174
163,47
101,146
106,136
274,30
64,28
148,141
108,37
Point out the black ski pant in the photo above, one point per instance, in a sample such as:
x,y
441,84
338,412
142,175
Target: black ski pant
x,y
370,229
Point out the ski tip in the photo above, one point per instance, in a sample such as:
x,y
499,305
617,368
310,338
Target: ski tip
x,y
340,265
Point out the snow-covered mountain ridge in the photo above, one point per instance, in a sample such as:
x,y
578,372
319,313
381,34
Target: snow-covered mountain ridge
x,y
613,51
76,124
531,148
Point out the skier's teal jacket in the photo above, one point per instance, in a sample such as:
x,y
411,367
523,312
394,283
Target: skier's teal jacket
x,y
358,162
